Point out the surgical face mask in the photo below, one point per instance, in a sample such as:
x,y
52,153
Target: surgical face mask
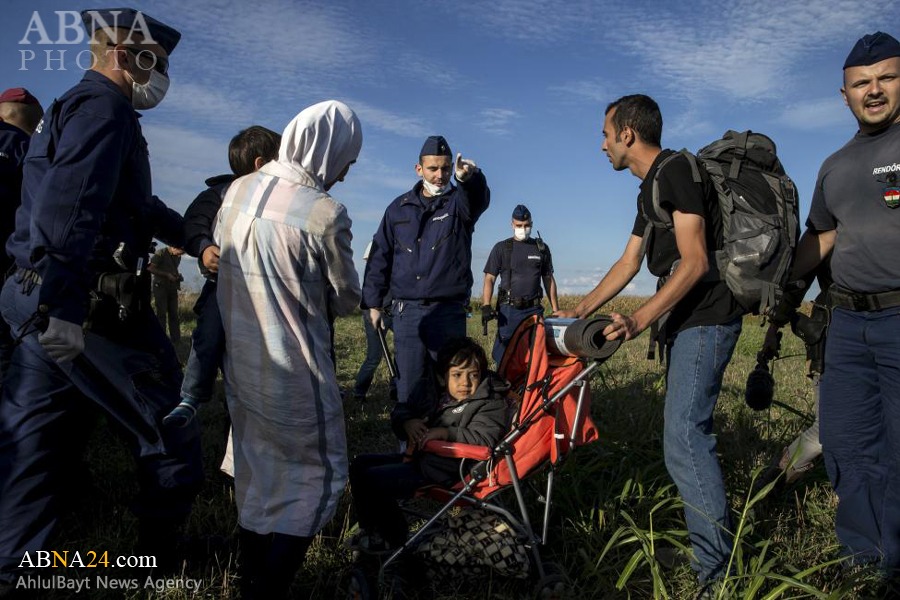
x,y
521,233
435,190
148,95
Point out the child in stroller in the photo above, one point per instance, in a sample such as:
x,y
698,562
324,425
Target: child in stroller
x,y
473,410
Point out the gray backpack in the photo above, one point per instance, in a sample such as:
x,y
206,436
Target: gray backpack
x,y
760,216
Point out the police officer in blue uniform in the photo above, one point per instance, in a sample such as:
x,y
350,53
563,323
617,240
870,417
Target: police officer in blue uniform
x,y
523,263
20,113
78,301
421,254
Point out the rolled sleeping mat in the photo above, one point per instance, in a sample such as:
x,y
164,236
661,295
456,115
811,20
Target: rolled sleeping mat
x,y
580,337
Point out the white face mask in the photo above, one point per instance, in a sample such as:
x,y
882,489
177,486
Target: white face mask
x,y
148,95
433,189
521,233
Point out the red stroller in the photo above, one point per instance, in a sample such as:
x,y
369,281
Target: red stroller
x,y
548,363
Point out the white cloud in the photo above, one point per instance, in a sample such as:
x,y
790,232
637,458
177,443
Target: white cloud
x,y
820,114
421,72
202,104
581,281
497,120
750,50
295,52
388,121
593,90
533,21
372,172
576,281
687,125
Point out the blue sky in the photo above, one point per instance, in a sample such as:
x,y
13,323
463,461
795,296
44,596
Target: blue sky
x,y
519,86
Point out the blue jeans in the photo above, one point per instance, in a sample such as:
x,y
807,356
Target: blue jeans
x,y
366,372
508,318
419,331
207,347
697,358
859,414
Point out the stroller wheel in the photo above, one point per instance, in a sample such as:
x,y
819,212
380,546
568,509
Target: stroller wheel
x,y
554,585
360,586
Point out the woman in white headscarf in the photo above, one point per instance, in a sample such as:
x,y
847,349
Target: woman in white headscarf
x,y
286,270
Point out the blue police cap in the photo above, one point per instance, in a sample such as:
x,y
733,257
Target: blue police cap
x,y
135,21
435,145
521,213
871,49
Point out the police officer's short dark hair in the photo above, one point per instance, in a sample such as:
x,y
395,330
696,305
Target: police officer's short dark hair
x,y
641,113
458,352
247,145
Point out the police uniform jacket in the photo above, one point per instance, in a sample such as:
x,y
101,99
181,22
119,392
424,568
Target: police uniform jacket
x,y
423,247
86,189
13,146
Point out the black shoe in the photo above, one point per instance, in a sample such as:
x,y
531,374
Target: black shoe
x,y
160,538
269,564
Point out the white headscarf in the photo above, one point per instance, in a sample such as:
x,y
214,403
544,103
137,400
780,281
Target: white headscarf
x,y
320,141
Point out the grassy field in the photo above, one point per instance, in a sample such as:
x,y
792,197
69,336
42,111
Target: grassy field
x,y
614,501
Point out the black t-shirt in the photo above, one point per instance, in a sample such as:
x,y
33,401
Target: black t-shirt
x,y
529,266
709,302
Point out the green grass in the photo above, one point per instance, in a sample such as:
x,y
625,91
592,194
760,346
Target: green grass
x,y
613,505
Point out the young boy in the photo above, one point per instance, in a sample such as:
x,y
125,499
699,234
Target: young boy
x,y
249,150
473,410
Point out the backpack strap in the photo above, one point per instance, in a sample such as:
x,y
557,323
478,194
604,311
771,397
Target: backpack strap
x,y
662,218
660,215
740,151
542,250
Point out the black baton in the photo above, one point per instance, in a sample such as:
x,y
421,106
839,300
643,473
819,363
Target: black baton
x,y
391,365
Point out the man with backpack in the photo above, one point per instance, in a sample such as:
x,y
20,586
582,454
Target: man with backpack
x,y
704,318
854,217
523,263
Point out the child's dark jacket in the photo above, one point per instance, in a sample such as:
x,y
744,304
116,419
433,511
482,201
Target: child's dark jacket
x,y
482,419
